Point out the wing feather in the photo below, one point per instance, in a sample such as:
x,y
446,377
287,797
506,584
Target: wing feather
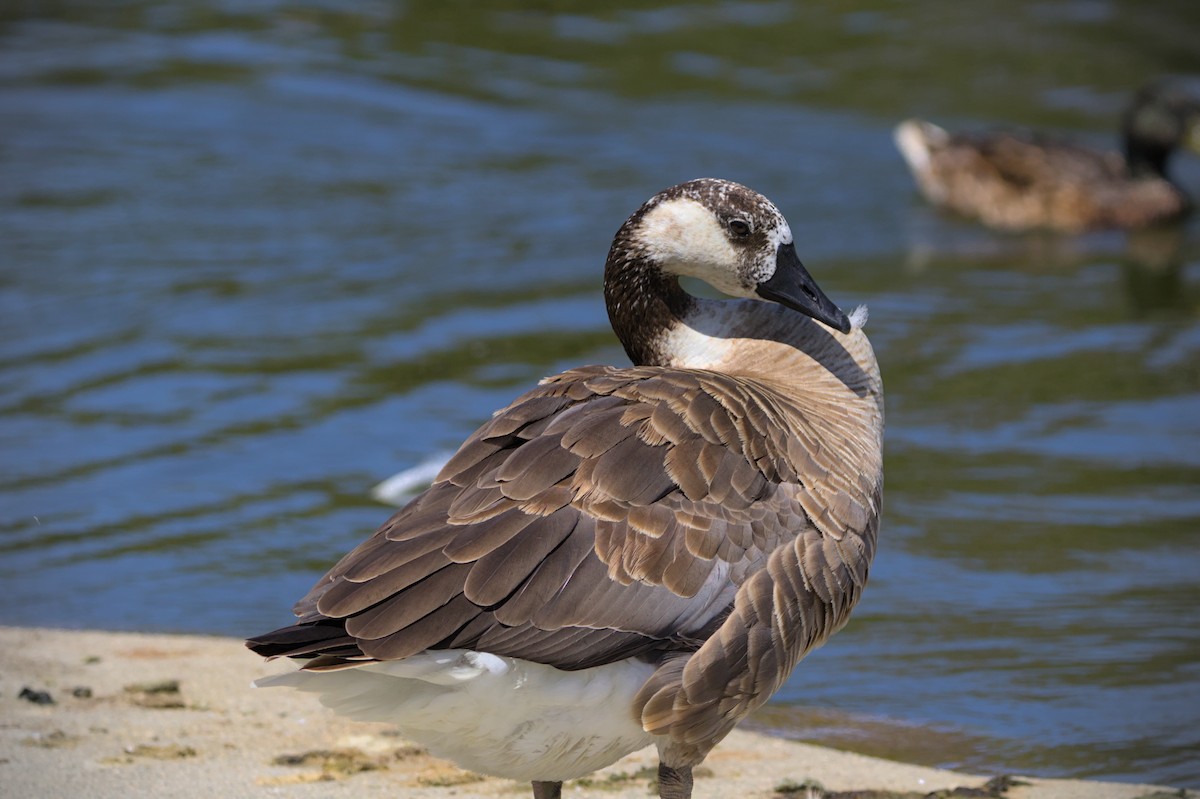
x,y
425,633
505,568
405,607
603,514
476,540
551,575
344,597
535,467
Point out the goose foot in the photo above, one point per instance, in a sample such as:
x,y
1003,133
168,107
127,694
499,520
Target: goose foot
x,y
674,783
547,790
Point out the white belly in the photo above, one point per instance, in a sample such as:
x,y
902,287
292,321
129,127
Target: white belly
x,y
494,715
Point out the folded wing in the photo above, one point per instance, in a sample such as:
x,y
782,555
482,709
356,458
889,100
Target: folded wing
x,y
605,514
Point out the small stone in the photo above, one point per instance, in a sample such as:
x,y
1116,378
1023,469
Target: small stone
x,y
167,752
37,697
81,692
51,740
161,694
155,687
335,763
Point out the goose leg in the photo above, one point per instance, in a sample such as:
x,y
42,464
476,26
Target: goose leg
x,y
674,783
547,790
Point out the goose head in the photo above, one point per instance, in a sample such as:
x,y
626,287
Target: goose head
x,y
1162,117
721,232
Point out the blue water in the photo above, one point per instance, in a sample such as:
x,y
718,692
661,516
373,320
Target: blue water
x,y
255,261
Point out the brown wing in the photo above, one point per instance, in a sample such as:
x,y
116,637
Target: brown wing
x,y
607,513
1029,159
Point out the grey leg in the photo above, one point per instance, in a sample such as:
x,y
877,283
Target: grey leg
x,y
547,790
674,783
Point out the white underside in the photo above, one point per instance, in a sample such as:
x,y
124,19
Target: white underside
x,y
493,715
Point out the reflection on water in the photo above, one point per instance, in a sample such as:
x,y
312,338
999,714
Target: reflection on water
x,y
257,260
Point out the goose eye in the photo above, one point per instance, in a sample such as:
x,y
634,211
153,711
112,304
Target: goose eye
x,y
739,227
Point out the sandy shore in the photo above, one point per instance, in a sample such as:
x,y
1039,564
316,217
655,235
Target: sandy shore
x,y
175,716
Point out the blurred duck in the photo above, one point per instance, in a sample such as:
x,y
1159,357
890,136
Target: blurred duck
x,y
1023,181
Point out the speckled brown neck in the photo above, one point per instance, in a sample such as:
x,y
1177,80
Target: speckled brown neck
x,y
643,302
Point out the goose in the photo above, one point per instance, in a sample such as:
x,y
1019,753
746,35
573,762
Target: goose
x,y
625,556
1024,181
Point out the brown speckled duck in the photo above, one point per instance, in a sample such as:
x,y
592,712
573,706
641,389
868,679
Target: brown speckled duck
x,y
625,556
1027,181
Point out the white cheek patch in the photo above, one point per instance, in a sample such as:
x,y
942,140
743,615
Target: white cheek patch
x,y
687,239
684,231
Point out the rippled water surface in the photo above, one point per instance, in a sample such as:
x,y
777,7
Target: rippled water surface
x,y
255,258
